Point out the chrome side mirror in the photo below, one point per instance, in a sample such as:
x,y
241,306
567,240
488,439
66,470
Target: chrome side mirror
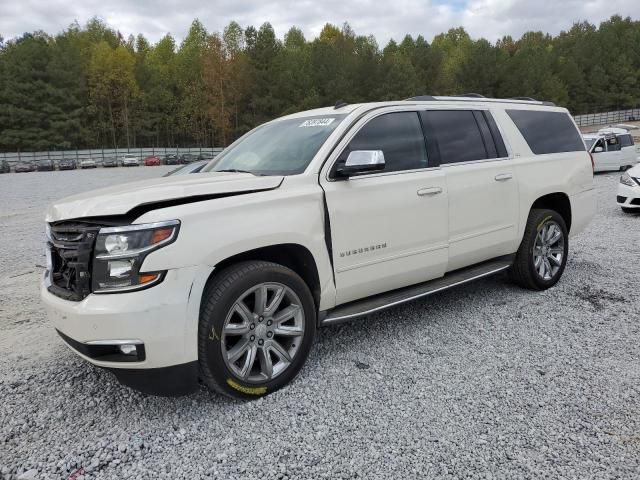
x,y
361,161
598,150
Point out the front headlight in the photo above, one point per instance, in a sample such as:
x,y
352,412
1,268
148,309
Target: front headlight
x,y
626,179
120,251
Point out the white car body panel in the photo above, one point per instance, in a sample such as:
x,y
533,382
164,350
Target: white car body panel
x,y
471,213
130,160
631,194
119,199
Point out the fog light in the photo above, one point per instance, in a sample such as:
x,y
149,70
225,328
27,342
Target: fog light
x,y
128,349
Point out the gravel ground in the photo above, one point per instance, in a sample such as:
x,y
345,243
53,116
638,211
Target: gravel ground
x,y
485,381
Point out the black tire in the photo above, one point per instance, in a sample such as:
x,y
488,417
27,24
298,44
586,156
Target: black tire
x,y
219,297
630,210
523,271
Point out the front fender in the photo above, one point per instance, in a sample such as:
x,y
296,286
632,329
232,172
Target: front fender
x,y
214,230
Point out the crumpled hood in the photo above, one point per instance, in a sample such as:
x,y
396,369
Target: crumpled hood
x,y
120,199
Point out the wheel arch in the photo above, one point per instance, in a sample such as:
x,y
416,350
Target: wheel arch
x,y
291,255
558,202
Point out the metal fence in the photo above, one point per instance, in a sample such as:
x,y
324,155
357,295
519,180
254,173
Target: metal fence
x,y
604,118
99,155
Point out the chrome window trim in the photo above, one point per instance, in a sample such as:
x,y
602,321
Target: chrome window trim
x,y
471,162
385,174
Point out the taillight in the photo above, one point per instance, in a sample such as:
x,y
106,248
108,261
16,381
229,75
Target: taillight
x,y
593,164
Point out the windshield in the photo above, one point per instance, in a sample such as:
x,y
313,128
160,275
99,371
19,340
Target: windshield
x,y
589,142
283,147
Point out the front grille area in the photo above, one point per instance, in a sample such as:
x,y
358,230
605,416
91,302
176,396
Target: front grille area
x,y
71,248
635,201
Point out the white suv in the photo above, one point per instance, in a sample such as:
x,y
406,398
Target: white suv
x,y
309,220
611,149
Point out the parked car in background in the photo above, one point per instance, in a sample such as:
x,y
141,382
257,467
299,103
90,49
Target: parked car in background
x,y
4,166
311,220
88,163
45,165
193,167
110,162
152,161
171,159
67,164
130,160
188,158
611,149
628,197
24,166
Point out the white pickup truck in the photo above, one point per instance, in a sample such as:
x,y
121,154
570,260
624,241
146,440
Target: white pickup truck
x,y
309,220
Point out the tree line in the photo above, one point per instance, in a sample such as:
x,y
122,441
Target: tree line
x,y
89,87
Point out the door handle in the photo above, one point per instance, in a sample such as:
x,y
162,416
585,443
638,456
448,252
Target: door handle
x,y
501,177
429,191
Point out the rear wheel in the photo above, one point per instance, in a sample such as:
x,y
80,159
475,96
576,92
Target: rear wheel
x,y
257,324
542,256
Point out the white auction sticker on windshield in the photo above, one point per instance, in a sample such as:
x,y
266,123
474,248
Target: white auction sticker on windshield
x,y
317,122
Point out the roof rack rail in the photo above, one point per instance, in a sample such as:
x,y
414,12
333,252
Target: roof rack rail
x,y
430,98
340,104
420,98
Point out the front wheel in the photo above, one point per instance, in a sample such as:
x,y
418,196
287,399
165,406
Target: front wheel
x,y
257,324
542,256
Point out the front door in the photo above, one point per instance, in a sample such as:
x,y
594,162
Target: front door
x,y
389,228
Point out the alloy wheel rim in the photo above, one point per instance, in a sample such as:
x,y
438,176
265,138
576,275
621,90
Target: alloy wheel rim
x,y
548,250
262,332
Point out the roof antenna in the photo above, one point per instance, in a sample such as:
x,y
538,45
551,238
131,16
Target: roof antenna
x,y
340,104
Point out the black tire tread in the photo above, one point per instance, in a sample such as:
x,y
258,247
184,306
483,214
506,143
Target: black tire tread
x,y
212,294
520,272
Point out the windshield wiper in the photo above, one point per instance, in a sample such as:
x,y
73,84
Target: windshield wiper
x,y
235,170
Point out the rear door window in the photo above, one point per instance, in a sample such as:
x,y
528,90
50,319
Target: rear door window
x,y
547,132
457,137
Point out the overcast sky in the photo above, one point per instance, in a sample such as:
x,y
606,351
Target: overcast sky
x,y
383,18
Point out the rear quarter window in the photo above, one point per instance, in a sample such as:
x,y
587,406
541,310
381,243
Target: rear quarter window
x,y
626,141
547,132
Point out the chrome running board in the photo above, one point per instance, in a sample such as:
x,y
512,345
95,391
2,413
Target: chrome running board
x,y
375,303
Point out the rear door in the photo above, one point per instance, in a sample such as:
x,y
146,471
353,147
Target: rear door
x,y
614,158
481,184
629,154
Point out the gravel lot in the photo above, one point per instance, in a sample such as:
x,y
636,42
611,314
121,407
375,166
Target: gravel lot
x,y
485,381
